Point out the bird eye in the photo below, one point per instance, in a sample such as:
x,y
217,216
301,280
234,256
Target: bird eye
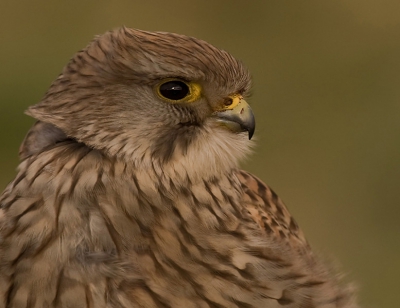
x,y
176,90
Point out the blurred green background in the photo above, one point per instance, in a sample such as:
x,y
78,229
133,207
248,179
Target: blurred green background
x,y
326,97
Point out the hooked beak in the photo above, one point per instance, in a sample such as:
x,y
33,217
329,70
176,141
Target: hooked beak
x,y
237,116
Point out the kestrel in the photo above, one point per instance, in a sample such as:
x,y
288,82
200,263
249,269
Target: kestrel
x,y
128,193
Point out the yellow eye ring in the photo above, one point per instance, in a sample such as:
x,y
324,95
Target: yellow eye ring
x,y
175,90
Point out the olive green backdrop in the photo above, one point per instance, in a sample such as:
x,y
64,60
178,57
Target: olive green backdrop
x,y
326,97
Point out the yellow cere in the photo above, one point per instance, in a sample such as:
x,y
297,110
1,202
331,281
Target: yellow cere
x,y
236,98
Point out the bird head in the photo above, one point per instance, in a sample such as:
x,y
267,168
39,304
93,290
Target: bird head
x,y
153,97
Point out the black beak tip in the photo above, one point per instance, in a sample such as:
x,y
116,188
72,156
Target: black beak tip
x,y
251,126
251,133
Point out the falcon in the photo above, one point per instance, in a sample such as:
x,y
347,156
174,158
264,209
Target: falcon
x,y
129,194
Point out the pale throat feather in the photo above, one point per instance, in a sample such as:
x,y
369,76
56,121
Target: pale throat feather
x,y
212,153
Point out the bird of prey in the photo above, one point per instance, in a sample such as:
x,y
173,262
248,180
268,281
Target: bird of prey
x,y
129,193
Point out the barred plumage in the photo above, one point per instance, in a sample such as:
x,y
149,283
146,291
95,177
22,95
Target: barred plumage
x,y
118,204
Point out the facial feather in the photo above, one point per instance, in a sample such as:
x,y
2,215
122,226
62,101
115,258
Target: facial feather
x,y
105,98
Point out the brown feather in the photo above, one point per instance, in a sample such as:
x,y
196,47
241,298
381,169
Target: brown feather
x,y
115,204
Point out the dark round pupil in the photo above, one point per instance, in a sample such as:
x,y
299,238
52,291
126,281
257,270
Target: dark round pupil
x,y
174,90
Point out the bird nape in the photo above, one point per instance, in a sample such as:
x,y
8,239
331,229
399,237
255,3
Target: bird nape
x,y
128,193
